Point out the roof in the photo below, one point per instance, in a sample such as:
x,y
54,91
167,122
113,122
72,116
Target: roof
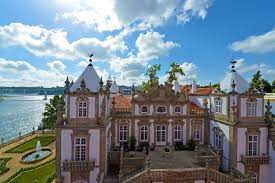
x,y
114,88
200,91
121,102
194,106
241,84
90,77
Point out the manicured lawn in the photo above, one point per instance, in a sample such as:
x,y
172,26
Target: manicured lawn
x,y
31,144
3,163
36,175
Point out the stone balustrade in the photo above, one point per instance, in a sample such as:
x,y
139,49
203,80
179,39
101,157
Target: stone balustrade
x,y
121,110
198,112
255,160
78,166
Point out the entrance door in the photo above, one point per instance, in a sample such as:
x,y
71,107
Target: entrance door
x,y
161,135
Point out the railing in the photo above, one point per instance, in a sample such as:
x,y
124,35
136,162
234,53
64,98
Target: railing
x,y
78,166
132,174
198,112
255,160
121,110
209,160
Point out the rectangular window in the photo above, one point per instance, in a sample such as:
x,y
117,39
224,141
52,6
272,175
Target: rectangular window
x,y
253,145
82,109
251,109
161,109
177,132
177,109
143,133
123,132
144,109
161,133
218,106
80,149
197,132
218,139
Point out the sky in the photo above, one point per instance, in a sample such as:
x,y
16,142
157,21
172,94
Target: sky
x,y
42,42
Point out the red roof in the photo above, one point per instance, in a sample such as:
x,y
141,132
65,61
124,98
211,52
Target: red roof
x,y
121,102
200,91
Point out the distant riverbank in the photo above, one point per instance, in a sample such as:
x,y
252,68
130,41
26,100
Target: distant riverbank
x,y
20,114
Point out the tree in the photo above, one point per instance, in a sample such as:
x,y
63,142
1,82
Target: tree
x,y
174,70
49,116
153,79
273,86
256,80
267,86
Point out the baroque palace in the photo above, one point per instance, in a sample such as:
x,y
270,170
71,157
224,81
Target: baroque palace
x,y
171,133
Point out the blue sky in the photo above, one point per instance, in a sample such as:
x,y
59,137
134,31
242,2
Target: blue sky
x,y
41,42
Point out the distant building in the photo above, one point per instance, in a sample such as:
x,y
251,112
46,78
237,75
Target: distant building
x,y
229,120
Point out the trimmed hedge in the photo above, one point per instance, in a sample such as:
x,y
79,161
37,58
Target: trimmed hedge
x,y
3,168
49,179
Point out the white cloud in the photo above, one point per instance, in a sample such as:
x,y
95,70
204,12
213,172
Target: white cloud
x,y
56,65
191,73
244,68
44,42
256,44
151,45
194,8
25,74
109,15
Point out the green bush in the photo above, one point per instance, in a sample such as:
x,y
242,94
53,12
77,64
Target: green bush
x,y
132,143
191,144
3,163
179,146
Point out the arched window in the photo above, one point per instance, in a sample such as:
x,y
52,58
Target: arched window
x,y
82,109
143,133
251,108
218,106
177,132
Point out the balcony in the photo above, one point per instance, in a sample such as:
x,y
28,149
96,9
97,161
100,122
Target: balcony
x,y
255,160
78,166
198,112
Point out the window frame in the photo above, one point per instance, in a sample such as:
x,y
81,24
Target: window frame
x,y
163,112
82,109
123,133
218,106
147,111
251,109
252,145
177,132
80,149
176,107
143,133
196,128
219,139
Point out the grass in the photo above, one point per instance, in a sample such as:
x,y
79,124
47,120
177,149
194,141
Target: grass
x,y
40,174
31,144
3,163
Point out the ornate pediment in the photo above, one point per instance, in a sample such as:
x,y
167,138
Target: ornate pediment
x,y
158,93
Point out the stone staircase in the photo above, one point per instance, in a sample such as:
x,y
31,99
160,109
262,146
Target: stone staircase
x,y
110,179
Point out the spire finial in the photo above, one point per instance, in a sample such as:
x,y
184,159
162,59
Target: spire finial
x,y
90,58
233,86
233,65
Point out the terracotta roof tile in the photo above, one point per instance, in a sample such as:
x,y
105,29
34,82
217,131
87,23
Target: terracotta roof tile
x,y
121,102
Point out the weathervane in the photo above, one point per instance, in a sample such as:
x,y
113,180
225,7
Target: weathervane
x,y
233,65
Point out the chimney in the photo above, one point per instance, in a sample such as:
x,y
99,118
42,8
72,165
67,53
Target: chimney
x,y
194,87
